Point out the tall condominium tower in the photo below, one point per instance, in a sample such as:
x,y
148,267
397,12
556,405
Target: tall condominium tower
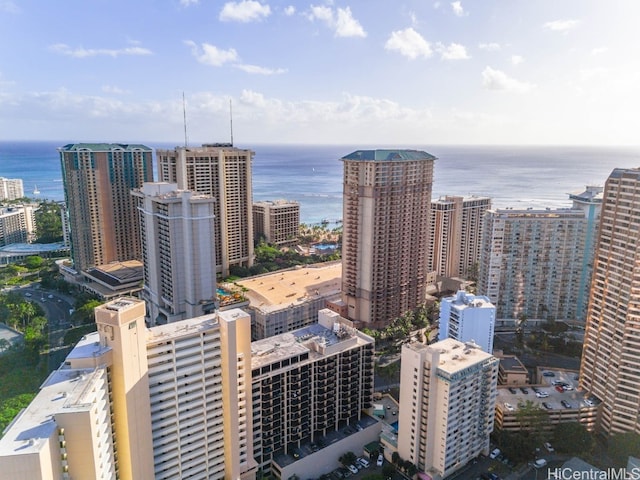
x,y
385,233
224,172
308,383
17,224
278,222
468,318
130,403
178,231
98,179
610,367
447,400
456,234
537,263
11,188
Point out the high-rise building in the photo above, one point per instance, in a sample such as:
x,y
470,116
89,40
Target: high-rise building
x,y
134,403
468,318
447,401
610,368
17,224
98,179
224,172
456,234
385,233
537,263
11,188
278,222
308,383
178,231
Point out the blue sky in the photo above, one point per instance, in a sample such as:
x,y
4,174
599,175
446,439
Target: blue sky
x,y
370,72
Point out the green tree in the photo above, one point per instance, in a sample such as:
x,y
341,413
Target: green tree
x,y
622,446
533,420
573,438
348,458
48,223
84,314
388,470
33,262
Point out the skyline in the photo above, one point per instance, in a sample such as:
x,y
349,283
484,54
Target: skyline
x,y
328,72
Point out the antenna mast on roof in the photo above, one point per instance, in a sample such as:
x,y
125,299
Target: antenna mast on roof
x,y
231,121
184,115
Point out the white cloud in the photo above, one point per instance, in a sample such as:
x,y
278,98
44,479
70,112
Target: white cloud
x,y
457,8
82,52
244,11
212,55
561,25
114,90
8,7
341,21
498,80
290,10
599,50
188,3
516,60
454,51
409,43
489,47
254,69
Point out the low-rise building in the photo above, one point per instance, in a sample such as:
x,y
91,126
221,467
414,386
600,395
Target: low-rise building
x,y
290,299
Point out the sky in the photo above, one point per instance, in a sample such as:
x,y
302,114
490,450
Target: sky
x,y
357,72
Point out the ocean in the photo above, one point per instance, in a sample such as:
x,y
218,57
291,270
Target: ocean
x,y
518,177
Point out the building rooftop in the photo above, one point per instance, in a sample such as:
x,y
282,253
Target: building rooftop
x,y
183,327
454,355
539,212
511,363
463,299
316,340
275,291
65,390
391,155
117,274
589,194
104,147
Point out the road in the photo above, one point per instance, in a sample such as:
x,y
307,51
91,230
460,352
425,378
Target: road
x,y
56,307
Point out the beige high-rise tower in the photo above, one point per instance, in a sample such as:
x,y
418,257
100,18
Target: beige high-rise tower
x,y
224,172
385,233
178,229
456,233
98,179
610,368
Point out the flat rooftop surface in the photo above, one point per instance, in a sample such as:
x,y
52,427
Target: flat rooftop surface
x,y
274,291
454,355
64,390
511,363
118,273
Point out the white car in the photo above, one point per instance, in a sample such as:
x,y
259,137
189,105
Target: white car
x,y
542,394
549,448
495,453
509,407
380,460
352,469
589,403
541,462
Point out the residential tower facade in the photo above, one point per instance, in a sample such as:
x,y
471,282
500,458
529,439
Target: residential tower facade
x,y
98,179
178,232
468,318
610,367
456,234
278,221
447,401
386,201
223,172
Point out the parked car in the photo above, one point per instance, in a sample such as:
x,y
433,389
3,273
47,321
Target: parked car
x,y
567,388
559,388
513,390
380,460
549,448
541,462
508,406
494,453
493,476
541,394
352,468
565,404
548,374
589,403
524,390
364,462
547,406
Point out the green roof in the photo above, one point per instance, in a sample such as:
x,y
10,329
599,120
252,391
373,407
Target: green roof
x,y
104,147
386,155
